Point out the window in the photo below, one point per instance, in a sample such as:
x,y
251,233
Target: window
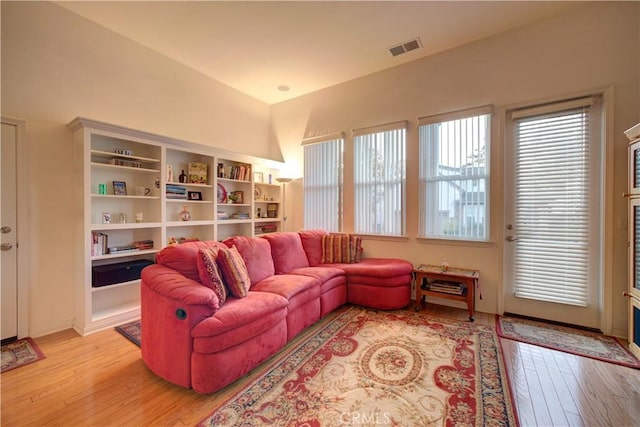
x,y
557,199
454,175
379,179
323,183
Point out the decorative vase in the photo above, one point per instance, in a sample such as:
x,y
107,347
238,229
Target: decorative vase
x,y
184,214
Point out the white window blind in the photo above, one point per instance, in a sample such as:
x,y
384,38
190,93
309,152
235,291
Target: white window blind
x,y
379,180
454,175
323,184
554,221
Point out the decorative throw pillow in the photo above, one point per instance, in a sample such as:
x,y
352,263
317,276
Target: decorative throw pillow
x,y
341,248
210,273
335,248
355,248
234,271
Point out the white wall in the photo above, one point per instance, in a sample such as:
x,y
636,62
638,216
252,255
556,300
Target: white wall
x,y
591,48
57,66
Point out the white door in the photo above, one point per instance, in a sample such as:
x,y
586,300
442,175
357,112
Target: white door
x,y
8,232
553,221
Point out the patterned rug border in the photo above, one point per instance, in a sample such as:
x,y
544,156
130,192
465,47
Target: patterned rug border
x,y
634,363
328,327
127,330
40,355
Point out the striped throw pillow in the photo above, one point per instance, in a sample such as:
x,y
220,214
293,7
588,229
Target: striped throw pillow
x,y
341,248
210,273
234,271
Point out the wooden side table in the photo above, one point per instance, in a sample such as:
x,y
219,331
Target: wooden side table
x,y
432,274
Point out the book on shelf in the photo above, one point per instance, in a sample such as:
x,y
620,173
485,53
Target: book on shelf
x,y
122,249
143,244
99,244
447,287
176,192
240,173
240,215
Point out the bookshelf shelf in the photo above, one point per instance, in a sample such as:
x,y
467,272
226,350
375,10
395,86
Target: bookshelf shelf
x,y
151,166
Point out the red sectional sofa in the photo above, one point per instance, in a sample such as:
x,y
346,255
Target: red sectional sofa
x,y
189,338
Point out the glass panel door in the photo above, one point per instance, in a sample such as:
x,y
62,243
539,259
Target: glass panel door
x,y
634,168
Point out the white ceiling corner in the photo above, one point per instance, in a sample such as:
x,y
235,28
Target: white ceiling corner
x,y
255,47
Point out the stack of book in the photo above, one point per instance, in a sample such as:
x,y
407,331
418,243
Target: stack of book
x,y
240,215
176,192
241,173
143,244
122,249
99,242
446,287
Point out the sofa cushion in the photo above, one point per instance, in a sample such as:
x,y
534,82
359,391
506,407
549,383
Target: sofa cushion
x,y
183,257
343,248
322,273
239,320
297,289
256,253
375,267
209,271
287,251
234,271
312,244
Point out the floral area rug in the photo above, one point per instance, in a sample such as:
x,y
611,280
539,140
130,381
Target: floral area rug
x,y
131,331
20,353
368,367
566,339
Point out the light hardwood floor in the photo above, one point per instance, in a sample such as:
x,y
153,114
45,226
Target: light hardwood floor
x,y
101,380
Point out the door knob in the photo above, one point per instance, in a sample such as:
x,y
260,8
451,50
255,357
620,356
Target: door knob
x,y
6,247
511,239
5,229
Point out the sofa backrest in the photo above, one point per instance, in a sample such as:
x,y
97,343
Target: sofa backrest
x,y
183,257
287,251
312,244
256,253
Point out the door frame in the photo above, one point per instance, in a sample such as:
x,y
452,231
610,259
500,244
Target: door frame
x,y
607,210
22,234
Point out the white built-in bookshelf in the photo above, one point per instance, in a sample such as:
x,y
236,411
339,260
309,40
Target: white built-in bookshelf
x,y
131,204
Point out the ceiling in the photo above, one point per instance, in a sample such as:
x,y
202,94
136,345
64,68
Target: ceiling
x,y
257,47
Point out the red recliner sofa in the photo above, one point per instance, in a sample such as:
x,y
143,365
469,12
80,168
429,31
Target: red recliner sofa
x,y
189,338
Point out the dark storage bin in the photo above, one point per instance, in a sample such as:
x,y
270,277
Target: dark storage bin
x,y
108,274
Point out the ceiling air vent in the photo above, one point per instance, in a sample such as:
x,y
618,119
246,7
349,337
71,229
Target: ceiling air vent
x,y
405,47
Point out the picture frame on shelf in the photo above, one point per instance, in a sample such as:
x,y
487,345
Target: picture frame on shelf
x,y
119,188
197,172
258,177
194,195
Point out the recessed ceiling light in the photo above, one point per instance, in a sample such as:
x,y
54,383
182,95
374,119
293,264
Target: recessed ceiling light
x,y
283,88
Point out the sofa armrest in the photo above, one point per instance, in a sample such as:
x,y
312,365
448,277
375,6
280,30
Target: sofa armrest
x,y
173,285
171,306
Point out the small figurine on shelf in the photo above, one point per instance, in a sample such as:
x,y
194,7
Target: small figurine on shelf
x,y
259,213
169,173
182,177
184,214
